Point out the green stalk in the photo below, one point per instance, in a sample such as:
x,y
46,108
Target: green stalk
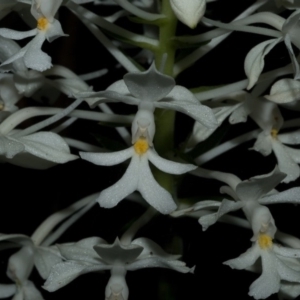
x,y
164,134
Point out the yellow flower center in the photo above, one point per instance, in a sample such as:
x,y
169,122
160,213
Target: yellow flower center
x,y
274,133
1,106
265,241
42,23
141,146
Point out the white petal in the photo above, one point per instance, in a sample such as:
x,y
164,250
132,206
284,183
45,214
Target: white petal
x,y
182,100
290,138
49,146
111,196
150,85
30,292
64,273
82,250
7,290
45,259
150,248
293,153
107,159
169,166
152,192
201,133
269,282
254,61
294,60
263,143
28,82
225,207
197,206
7,49
17,35
286,252
20,264
245,260
189,12
34,57
240,114
285,162
289,196
54,31
284,91
45,8
157,262
9,147
258,186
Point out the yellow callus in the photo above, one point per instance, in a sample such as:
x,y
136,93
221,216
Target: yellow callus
x,y
274,133
42,24
265,241
141,146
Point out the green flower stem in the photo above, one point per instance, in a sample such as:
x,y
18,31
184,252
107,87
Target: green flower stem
x,y
164,135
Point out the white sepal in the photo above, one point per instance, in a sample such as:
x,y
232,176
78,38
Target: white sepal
x,y
254,61
189,12
284,91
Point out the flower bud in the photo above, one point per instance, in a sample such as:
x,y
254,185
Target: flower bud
x,y
189,12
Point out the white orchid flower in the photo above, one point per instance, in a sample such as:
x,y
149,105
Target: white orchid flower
x,y
248,196
21,263
254,61
94,254
47,28
189,12
275,269
267,115
155,90
138,175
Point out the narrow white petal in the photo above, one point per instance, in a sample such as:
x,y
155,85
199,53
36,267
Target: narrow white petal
x,y
254,62
289,196
285,162
107,159
258,186
111,196
17,35
7,290
150,248
284,91
157,262
169,166
201,132
225,207
198,112
152,192
295,64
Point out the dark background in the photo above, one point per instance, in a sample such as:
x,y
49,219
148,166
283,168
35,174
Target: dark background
x,y
29,196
